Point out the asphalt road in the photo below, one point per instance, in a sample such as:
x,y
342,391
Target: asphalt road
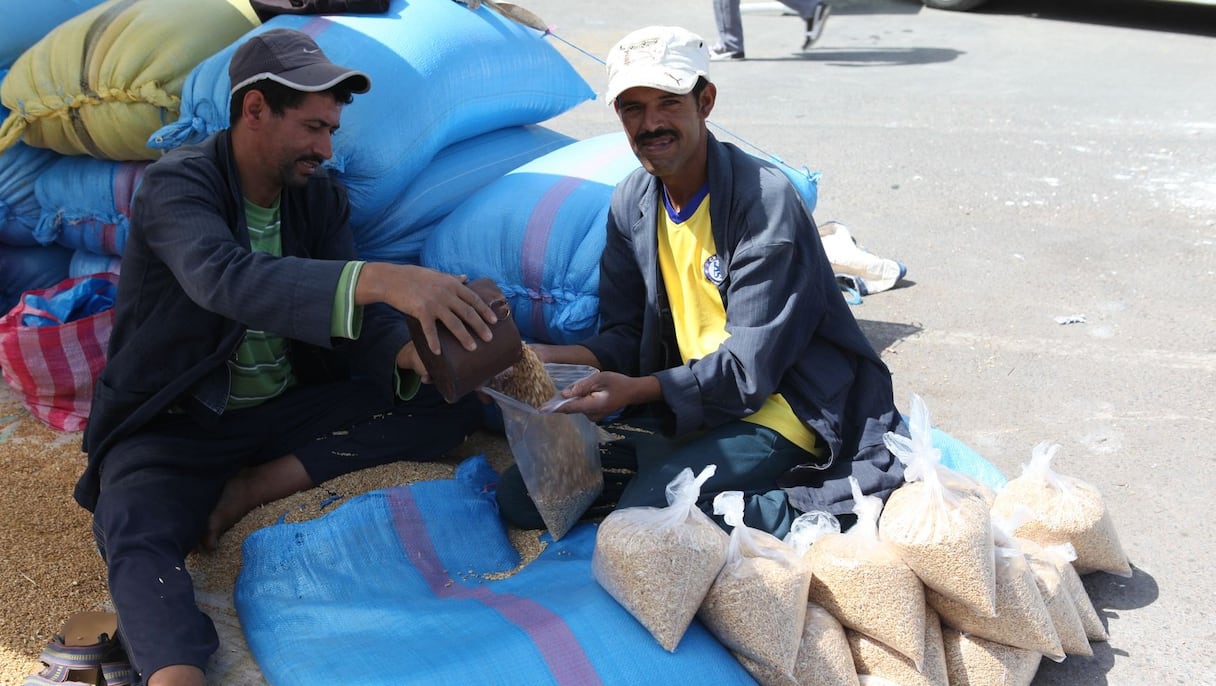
x,y
1027,161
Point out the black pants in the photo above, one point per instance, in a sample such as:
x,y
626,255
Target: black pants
x,y
159,487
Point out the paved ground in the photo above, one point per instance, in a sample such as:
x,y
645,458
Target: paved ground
x,y
1028,161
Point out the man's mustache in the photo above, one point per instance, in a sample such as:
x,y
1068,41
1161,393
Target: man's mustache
x,y
645,138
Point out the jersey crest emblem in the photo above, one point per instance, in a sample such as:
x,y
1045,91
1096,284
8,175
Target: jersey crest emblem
x,y
713,270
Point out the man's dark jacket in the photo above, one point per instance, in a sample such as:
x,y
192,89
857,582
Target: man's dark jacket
x,y
190,286
791,331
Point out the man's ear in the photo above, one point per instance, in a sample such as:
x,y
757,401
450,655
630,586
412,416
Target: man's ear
x,y
254,107
709,96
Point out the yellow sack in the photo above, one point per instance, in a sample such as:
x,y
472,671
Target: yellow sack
x,y
102,82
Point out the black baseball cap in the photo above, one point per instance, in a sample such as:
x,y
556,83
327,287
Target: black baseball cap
x,y
293,59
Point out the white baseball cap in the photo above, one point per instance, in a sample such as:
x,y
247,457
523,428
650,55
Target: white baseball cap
x,y
668,58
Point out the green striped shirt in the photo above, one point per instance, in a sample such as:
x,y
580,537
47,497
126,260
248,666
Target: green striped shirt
x,y
260,369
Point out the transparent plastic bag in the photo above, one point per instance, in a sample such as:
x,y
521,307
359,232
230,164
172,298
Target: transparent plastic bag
x,y
1021,619
1056,596
876,659
865,584
659,562
557,454
757,604
824,657
939,520
1066,510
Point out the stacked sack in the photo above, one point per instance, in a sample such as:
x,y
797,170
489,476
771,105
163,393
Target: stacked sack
x,y
82,95
458,97
955,580
539,232
442,75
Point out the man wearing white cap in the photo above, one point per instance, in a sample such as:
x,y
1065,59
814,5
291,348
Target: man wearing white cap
x,y
723,334
252,354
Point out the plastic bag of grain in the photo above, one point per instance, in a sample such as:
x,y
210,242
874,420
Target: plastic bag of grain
x,y
757,604
876,659
940,524
975,661
1066,510
1057,598
558,454
659,562
1061,556
1021,619
864,583
824,656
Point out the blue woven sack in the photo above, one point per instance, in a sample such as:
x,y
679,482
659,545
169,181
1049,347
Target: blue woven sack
x,y
539,233
397,587
20,167
86,203
28,268
25,23
84,263
440,73
456,172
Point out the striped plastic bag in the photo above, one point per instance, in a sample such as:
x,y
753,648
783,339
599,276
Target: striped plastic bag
x,y
53,346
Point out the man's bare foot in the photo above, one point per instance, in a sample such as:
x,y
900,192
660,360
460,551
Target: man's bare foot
x,y
251,488
231,508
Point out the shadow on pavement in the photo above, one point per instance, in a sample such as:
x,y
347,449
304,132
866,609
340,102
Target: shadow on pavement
x,y
1109,594
1150,15
878,57
883,335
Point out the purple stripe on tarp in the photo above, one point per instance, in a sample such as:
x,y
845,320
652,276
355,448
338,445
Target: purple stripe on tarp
x,y
313,27
558,647
540,226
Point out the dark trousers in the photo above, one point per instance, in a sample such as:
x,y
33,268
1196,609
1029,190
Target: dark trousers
x,y
159,487
637,469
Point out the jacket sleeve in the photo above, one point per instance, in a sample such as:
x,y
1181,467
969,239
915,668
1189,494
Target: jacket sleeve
x,y
622,290
176,210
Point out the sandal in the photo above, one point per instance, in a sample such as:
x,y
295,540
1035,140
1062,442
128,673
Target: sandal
x,y
85,653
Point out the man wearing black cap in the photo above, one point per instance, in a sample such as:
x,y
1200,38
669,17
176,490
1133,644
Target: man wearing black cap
x,y
252,355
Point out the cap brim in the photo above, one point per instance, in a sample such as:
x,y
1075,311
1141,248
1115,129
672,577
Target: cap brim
x,y
663,78
314,78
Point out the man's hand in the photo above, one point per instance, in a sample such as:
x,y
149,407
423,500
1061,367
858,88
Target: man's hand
x,y
603,393
431,297
408,358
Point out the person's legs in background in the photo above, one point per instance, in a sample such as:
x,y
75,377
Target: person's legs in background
x,y
730,31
